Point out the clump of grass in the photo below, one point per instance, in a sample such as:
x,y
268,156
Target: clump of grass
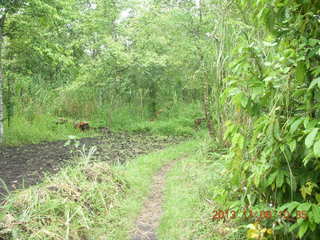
x,y
71,205
170,127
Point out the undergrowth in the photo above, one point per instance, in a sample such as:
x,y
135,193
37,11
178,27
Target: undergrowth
x,y
33,126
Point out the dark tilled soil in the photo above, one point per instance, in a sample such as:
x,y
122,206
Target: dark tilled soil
x,y
25,165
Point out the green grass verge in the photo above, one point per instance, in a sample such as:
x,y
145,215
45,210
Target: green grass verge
x,y
86,200
193,188
140,173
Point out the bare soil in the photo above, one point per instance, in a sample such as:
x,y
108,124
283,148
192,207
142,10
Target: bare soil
x,y
26,165
149,218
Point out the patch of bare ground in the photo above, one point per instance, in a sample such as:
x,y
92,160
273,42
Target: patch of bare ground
x,y
23,166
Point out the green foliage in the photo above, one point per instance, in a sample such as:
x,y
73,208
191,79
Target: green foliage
x,y
142,67
274,137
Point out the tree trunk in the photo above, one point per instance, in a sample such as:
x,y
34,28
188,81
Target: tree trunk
x,y
1,104
153,99
205,80
2,20
207,106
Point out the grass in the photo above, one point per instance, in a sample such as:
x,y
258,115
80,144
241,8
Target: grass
x,y
38,129
34,126
139,173
174,127
86,200
193,188
176,121
94,200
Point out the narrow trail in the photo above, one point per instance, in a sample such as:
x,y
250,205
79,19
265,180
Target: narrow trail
x,y
149,217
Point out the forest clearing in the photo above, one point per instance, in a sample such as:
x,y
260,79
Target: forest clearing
x,y
159,119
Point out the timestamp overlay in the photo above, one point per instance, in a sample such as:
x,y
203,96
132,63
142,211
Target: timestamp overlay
x,y
219,214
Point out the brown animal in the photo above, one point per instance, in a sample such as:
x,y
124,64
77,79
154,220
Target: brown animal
x,y
198,121
82,126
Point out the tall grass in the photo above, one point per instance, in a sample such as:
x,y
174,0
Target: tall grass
x,y
177,120
41,128
36,123
34,117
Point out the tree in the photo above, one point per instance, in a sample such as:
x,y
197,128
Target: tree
x,y
6,8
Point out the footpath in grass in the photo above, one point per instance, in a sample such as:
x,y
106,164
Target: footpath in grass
x,y
149,217
191,187
165,195
86,200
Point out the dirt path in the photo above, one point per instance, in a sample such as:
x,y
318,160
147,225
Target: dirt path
x,y
149,218
25,165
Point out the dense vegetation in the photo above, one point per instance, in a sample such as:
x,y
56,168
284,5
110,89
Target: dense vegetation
x,y
249,68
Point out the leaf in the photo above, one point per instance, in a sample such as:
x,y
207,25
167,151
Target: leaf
x,y
294,126
276,129
313,42
271,178
294,226
314,82
300,72
257,92
289,206
316,213
316,148
311,136
253,234
292,206
307,158
304,207
293,145
234,91
280,179
303,229
244,101
306,122
316,70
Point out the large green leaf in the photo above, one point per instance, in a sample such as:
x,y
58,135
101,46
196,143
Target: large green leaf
x,y
280,179
311,137
271,178
316,148
314,82
301,72
294,126
316,213
303,229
